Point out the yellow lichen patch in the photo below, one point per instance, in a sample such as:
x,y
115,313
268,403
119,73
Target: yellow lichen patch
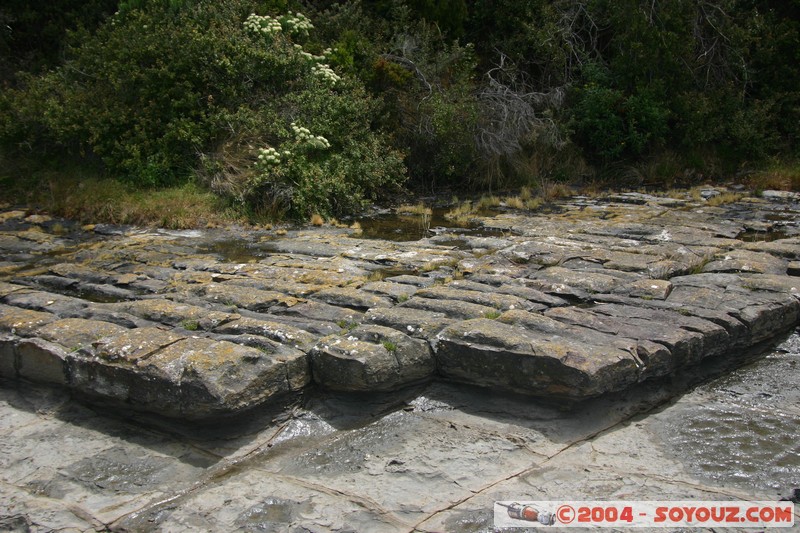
x,y
230,373
10,288
9,269
247,297
127,279
23,322
169,312
9,215
135,345
74,333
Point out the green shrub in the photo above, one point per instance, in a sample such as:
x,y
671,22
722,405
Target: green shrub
x,y
612,125
169,86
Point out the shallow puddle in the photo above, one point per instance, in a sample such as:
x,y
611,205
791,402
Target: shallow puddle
x,y
761,236
399,228
234,250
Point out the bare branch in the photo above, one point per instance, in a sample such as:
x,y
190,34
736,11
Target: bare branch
x,y
412,67
509,112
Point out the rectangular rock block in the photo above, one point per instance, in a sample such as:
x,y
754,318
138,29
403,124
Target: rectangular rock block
x,y
371,358
217,377
413,322
492,354
78,333
22,322
42,361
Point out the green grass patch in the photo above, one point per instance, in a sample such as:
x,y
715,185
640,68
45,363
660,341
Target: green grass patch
x,y
190,325
390,346
347,326
88,197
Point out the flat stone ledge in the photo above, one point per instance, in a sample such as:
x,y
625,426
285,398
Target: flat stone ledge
x,y
155,370
573,305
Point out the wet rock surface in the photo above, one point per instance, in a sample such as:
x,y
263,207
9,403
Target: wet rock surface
x,y
429,458
591,297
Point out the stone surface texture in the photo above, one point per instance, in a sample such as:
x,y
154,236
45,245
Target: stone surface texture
x,y
588,297
317,380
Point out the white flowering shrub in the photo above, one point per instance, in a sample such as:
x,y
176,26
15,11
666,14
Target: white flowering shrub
x,y
326,74
328,160
295,24
269,157
265,25
304,137
214,100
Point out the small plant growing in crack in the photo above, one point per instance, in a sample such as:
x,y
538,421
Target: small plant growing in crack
x,y
347,326
390,346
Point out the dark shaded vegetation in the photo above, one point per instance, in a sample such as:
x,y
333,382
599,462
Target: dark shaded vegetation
x,y
283,114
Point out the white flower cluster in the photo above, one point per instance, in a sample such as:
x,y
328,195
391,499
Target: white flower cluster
x,y
303,135
291,23
296,23
270,156
325,73
265,25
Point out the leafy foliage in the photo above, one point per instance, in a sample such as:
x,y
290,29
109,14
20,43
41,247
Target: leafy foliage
x,y
166,91
161,86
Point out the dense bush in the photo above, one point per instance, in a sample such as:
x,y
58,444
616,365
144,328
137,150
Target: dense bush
x,y
33,32
612,125
168,90
161,87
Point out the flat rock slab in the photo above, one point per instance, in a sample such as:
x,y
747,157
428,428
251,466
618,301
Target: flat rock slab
x,y
149,368
597,296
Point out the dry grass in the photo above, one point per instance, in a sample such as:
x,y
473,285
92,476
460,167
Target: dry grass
x,y
418,209
462,213
533,203
725,198
514,202
316,220
487,202
694,194
783,176
553,190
